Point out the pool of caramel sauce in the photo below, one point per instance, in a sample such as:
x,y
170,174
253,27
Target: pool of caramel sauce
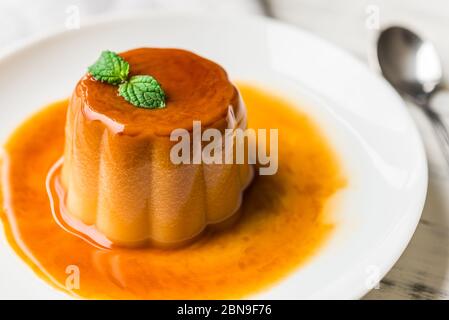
x,y
283,221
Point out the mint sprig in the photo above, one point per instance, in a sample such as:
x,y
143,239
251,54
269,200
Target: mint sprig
x,y
110,68
142,91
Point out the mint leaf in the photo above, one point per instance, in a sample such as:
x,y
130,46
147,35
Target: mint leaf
x,y
110,68
144,92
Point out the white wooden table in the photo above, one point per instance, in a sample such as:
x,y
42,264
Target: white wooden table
x,y
423,270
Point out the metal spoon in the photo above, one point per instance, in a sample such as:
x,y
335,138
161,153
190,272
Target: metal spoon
x,y
413,67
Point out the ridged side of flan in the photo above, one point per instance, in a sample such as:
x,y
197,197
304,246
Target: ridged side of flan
x,y
117,171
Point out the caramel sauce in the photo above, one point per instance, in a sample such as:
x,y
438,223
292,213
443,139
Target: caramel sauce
x,y
282,222
196,89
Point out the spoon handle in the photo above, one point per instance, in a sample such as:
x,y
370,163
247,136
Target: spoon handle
x,y
441,132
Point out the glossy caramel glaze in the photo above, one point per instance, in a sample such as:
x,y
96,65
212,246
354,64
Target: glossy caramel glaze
x,y
117,173
283,220
196,89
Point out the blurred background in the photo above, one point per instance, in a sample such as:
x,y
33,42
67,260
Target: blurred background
x,y
422,272
347,23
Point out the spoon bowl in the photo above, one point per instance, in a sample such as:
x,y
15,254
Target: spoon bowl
x,y
409,63
413,67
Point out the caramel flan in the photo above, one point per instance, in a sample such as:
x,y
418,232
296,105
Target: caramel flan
x,y
117,174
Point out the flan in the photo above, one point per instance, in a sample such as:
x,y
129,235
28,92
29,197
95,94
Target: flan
x,y
117,174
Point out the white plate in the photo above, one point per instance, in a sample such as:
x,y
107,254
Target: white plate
x,y
365,119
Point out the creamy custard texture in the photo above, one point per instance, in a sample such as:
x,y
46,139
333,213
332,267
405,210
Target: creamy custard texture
x,y
282,222
117,173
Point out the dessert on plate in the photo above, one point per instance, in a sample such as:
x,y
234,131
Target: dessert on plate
x,y
89,186
117,171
